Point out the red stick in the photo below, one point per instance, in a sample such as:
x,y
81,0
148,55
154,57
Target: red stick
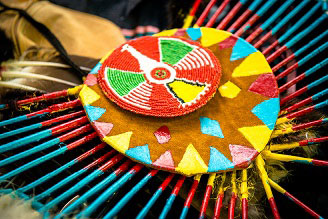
x,y
254,34
195,7
300,113
287,71
301,204
240,20
217,13
307,125
293,95
206,198
313,140
62,118
91,151
218,206
117,158
82,140
53,95
263,39
191,193
277,53
299,104
229,16
244,208
56,108
231,213
274,208
291,83
267,50
100,159
283,62
202,17
68,125
178,185
249,23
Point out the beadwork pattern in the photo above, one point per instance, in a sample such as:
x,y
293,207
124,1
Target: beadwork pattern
x,y
160,76
227,133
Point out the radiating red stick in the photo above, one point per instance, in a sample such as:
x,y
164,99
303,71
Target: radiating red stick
x,y
274,208
217,13
229,16
218,206
292,82
231,213
309,124
202,17
295,200
218,203
283,62
302,112
297,105
269,48
263,39
207,195
313,141
249,23
91,152
276,53
306,101
190,197
287,71
244,208
68,125
240,20
298,127
244,194
188,20
195,7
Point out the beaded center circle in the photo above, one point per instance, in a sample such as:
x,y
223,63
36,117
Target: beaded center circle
x,y
160,76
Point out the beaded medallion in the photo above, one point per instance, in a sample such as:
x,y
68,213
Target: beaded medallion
x,y
153,99
160,76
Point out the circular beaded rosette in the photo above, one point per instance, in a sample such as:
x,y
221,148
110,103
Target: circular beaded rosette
x,y
187,127
160,76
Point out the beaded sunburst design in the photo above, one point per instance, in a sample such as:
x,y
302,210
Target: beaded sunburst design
x,y
227,133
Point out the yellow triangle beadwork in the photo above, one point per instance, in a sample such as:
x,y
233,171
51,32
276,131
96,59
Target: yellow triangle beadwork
x,y
191,162
187,92
120,142
254,64
88,96
212,36
257,135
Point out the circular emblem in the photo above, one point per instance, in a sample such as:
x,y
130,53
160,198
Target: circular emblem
x,y
167,74
160,76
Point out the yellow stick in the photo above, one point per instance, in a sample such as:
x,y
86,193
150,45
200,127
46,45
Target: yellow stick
x,y
278,147
187,22
223,178
287,158
264,176
243,186
233,182
74,90
276,186
282,120
282,132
